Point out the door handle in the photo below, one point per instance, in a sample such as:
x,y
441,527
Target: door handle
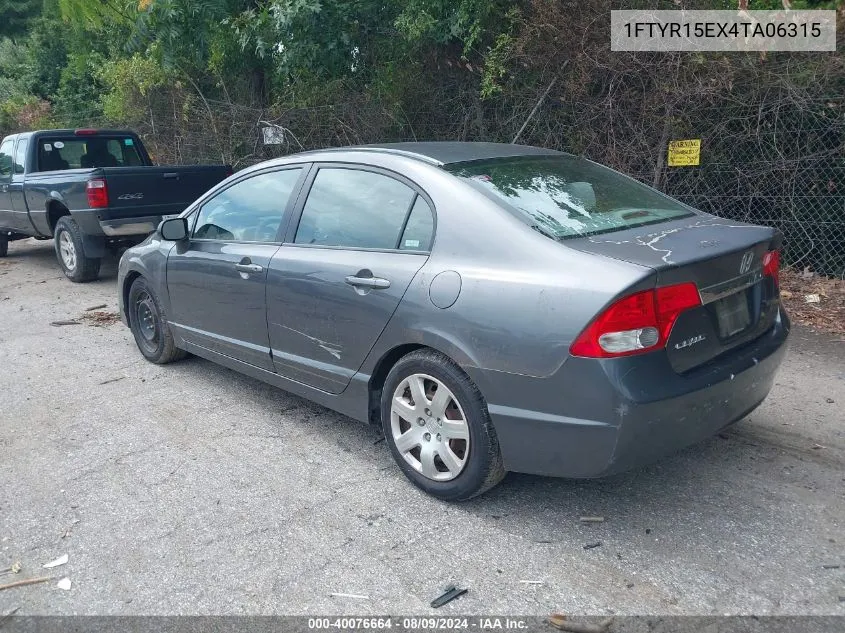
x,y
368,282
171,174
249,268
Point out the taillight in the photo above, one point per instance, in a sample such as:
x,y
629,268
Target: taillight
x,y
771,266
98,193
640,322
85,132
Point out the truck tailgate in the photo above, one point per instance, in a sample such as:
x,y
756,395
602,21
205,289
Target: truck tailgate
x,y
145,191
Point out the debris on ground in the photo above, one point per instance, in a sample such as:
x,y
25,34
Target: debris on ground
x,y
61,560
830,566
379,440
8,615
97,307
13,569
533,582
592,545
69,530
349,595
61,323
560,621
110,380
827,314
25,581
591,519
817,447
101,318
812,299
829,400
64,584
449,593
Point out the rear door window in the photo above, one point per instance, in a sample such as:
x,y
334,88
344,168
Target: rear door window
x,y
569,196
354,208
419,229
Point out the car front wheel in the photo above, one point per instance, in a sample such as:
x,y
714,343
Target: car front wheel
x,y
436,423
149,325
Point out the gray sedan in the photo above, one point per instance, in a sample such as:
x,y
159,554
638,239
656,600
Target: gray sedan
x,y
493,307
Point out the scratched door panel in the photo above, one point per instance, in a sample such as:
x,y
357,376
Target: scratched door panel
x,y
321,327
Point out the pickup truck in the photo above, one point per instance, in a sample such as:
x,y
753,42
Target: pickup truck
x,y
90,190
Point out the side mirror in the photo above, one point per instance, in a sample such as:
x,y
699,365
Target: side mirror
x,y
174,229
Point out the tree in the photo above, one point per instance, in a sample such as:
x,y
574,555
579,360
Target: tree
x,y
17,15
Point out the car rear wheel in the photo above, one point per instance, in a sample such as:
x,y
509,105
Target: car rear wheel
x,y
4,245
149,325
436,423
71,254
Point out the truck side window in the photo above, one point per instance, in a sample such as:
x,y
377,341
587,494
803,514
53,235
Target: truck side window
x,y
20,155
6,165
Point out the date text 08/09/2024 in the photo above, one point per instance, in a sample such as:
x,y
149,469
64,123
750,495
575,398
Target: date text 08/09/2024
x,y
415,623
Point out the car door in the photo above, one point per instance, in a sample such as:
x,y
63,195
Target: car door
x,y
361,236
7,168
216,278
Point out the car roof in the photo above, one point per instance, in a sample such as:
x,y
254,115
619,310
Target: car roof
x,y
445,152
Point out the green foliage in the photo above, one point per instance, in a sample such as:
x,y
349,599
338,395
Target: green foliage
x,y
24,113
96,14
46,53
471,23
77,101
12,64
16,16
128,84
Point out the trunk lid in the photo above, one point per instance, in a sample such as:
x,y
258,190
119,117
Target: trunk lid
x,y
723,258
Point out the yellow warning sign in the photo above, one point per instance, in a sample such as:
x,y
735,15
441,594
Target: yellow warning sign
x,y
685,153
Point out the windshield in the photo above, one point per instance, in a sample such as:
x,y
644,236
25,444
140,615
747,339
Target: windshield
x,y
568,196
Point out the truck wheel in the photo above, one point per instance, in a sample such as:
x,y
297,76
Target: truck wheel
x,y
4,245
71,254
149,325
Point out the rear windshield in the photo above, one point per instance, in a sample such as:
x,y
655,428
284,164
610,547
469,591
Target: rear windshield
x,y
87,151
568,196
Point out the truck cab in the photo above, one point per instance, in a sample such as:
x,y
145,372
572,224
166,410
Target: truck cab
x,y
90,190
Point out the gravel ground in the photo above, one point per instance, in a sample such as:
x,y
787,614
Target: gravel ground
x,y
190,489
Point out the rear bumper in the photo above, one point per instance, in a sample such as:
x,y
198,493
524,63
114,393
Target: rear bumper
x,y
92,222
599,417
131,226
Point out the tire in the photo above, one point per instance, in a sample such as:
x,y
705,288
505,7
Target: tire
x,y
71,253
149,325
471,466
4,245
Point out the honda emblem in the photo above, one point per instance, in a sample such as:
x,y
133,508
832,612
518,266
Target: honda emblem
x,y
745,264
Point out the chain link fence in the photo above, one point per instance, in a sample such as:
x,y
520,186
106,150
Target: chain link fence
x,y
767,163
779,168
